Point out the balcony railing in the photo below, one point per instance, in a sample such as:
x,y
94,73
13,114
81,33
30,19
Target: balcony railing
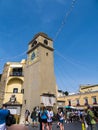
x,y
16,74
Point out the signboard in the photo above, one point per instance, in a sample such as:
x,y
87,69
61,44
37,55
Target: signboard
x,y
14,109
48,101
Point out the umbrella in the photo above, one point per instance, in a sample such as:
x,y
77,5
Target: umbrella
x,y
69,107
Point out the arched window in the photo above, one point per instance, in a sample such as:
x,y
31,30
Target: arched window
x,y
34,43
45,42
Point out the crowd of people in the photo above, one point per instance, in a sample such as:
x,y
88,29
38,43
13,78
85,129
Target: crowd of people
x,y
87,117
45,117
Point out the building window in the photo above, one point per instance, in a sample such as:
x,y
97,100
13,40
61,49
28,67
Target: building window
x,y
77,101
47,54
15,90
22,90
94,100
45,42
17,72
24,101
85,101
34,43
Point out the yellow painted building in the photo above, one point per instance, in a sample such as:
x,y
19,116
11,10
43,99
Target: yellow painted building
x,y
88,88
12,86
88,94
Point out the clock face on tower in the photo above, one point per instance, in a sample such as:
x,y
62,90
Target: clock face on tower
x,y
33,56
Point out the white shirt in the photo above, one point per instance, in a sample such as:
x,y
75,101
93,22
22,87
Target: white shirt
x,y
50,115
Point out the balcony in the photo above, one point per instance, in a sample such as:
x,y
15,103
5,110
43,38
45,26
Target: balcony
x,y
16,74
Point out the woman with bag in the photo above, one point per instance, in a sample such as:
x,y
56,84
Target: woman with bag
x,y
49,120
44,117
61,118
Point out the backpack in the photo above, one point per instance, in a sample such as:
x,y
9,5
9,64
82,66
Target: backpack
x,y
10,120
58,116
43,113
88,119
39,118
33,115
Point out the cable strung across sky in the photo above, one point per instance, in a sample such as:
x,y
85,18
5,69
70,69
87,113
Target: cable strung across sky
x,y
64,20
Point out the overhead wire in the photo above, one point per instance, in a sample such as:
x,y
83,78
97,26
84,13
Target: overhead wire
x,y
63,66
63,74
62,25
64,20
59,79
4,60
70,60
14,57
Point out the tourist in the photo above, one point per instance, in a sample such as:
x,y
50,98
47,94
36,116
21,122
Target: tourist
x,y
3,115
49,119
39,119
61,118
44,117
34,118
92,118
27,113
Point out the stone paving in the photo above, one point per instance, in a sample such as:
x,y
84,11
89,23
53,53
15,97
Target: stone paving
x,y
70,126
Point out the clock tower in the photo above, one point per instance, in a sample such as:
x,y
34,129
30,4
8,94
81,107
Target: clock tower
x,y
39,79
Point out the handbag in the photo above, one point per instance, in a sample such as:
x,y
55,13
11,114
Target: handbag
x,y
10,120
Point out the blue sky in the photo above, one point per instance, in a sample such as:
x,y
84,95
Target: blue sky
x,y
73,26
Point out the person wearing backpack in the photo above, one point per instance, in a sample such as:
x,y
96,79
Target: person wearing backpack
x,y
34,118
44,117
3,115
92,119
